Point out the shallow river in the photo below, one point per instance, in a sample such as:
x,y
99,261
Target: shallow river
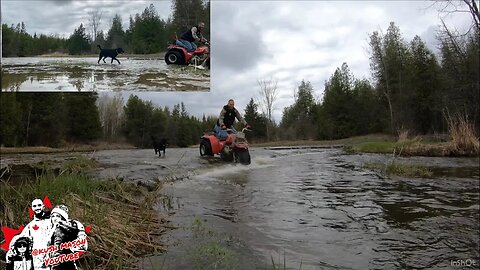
x,y
305,209
85,74
320,209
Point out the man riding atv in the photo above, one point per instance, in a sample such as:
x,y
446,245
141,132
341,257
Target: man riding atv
x,y
227,119
188,38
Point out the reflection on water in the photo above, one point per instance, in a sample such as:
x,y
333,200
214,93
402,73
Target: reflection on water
x,y
323,210
311,209
84,74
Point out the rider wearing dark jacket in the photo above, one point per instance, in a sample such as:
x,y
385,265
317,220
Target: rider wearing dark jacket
x,y
226,120
228,115
194,34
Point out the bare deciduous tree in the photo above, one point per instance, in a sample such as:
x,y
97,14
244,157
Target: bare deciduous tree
x,y
460,55
268,96
448,7
111,114
94,22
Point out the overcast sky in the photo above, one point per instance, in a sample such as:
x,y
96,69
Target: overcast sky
x,y
284,40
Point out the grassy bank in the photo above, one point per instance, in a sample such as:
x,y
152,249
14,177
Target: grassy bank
x,y
416,147
406,170
348,141
461,142
123,223
159,55
67,148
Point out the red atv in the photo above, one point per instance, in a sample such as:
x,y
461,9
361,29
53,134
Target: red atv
x,y
180,56
233,148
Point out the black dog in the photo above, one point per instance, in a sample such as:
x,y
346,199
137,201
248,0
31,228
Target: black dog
x,y
159,145
109,53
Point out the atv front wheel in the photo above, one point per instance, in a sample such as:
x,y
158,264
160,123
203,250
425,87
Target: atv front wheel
x,y
174,57
205,148
243,157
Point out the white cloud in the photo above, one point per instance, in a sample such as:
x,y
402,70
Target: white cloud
x,y
286,40
62,16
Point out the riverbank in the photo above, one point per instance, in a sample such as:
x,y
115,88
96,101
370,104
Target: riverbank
x,y
66,149
160,55
434,146
136,175
428,145
120,217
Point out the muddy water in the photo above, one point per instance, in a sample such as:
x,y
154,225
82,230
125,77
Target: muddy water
x,y
305,208
84,74
319,209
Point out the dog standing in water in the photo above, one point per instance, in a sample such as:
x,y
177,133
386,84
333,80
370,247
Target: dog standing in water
x,y
159,145
112,53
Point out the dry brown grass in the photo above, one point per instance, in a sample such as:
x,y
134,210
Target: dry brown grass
x,y
403,135
123,233
464,138
463,141
67,148
429,150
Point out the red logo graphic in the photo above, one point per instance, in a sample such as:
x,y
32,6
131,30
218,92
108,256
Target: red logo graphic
x,y
35,227
9,234
47,202
88,229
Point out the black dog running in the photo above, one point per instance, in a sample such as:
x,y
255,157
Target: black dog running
x,y
159,145
112,53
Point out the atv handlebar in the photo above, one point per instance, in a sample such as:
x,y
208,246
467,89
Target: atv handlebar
x,y
229,130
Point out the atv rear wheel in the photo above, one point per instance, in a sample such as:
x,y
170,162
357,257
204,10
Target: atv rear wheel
x,y
243,157
174,57
205,148
228,157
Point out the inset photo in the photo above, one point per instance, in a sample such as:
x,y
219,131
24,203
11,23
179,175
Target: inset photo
x,y
106,46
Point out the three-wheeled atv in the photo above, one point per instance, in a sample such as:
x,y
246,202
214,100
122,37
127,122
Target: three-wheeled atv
x,y
180,56
233,148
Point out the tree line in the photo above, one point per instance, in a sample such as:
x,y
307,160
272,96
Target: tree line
x,y
58,119
147,32
412,89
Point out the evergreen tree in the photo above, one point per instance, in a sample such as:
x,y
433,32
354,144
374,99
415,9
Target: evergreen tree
x,y
297,119
116,35
257,121
83,122
10,120
147,32
338,103
389,68
423,100
138,116
460,76
43,118
78,42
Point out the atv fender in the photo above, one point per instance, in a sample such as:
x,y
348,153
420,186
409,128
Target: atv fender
x,y
215,143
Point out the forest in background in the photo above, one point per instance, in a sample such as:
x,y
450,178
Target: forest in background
x,y
412,90
147,32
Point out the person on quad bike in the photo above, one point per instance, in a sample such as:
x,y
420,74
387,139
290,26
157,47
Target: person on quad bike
x,y
188,38
226,120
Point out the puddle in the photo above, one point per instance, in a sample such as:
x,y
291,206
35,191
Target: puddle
x,y
312,208
84,74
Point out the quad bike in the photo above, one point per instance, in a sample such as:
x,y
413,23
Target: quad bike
x,y
233,148
180,56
